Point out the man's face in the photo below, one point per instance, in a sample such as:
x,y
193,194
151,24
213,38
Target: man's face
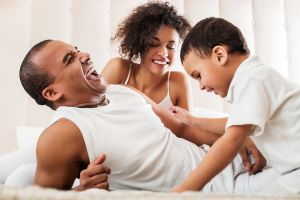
x,y
205,69
74,75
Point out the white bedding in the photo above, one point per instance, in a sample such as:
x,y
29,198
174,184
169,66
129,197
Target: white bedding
x,y
36,193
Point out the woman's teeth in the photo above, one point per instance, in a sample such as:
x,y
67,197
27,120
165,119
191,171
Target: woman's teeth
x,y
160,62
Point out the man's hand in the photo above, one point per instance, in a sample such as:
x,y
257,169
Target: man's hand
x,y
95,175
250,150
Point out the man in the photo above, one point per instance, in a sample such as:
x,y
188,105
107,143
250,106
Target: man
x,y
91,119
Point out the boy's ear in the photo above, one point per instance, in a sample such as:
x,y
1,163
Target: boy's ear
x,y
220,54
51,93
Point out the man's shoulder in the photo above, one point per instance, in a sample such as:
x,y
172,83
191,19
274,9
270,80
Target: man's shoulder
x,y
61,136
121,92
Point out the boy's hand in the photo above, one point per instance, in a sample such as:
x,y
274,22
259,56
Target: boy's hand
x,y
181,114
95,175
253,160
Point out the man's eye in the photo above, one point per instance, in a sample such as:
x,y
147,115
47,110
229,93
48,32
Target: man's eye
x,y
70,59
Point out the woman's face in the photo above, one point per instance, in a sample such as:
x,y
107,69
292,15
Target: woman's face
x,y
161,53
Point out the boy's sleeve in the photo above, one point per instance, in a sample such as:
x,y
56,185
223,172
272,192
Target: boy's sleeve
x,y
250,106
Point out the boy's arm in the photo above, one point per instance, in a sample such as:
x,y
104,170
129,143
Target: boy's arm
x,y
181,129
216,125
218,157
60,158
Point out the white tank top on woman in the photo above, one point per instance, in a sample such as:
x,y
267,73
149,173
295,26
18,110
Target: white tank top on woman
x,y
167,101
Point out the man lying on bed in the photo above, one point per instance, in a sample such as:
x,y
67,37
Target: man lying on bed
x,y
141,152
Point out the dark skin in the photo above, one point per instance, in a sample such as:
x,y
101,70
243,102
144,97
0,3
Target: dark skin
x,y
75,86
72,163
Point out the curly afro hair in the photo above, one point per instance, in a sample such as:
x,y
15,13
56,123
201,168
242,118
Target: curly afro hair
x,y
137,30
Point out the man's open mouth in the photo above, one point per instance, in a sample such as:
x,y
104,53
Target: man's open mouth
x,y
92,74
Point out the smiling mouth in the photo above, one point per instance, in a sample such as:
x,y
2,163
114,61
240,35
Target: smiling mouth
x,y
161,62
92,74
210,90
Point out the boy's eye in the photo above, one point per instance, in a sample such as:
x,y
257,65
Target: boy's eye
x,y
196,76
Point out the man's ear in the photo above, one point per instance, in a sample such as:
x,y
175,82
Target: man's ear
x,y
51,93
220,54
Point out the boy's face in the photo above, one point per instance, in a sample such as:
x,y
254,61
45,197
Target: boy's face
x,y
209,71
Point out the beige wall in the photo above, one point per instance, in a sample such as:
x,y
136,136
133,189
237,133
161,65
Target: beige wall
x,y
271,27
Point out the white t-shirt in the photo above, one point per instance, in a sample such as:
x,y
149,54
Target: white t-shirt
x,y
262,97
141,152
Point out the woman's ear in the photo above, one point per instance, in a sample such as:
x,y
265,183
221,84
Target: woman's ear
x,y
220,54
51,93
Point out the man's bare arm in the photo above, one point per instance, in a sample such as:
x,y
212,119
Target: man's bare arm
x,y
58,159
61,155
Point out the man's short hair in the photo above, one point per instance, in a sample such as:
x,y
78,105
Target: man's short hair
x,y
33,78
210,32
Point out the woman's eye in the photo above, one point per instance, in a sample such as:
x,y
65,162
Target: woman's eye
x,y
154,45
171,47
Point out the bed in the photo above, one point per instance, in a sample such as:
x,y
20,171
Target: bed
x,y
37,193
27,137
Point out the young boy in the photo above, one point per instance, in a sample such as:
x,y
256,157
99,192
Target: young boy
x,y
264,104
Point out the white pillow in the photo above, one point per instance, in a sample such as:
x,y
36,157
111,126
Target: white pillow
x,y
27,136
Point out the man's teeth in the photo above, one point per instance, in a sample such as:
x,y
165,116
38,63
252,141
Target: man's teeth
x,y
90,71
160,62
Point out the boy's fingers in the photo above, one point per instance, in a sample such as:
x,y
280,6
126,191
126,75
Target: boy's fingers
x,y
245,159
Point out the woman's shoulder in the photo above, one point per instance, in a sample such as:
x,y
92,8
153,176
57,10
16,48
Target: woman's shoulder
x,y
178,78
116,70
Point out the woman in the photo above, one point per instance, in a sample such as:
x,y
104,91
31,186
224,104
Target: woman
x,y
149,38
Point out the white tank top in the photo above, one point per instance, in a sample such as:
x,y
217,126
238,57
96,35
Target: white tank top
x,y
141,152
167,101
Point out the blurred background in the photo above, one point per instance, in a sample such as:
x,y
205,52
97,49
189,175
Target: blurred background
x,y
271,28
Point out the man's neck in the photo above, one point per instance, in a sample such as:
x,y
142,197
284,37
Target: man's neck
x,y
103,101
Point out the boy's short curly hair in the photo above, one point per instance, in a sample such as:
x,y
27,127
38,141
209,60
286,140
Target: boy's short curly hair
x,y
137,30
210,32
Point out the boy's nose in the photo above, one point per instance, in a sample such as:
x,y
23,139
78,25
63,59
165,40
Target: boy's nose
x,y
201,87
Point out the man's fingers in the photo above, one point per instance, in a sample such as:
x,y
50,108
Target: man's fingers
x,y
96,169
98,181
98,160
99,178
104,185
